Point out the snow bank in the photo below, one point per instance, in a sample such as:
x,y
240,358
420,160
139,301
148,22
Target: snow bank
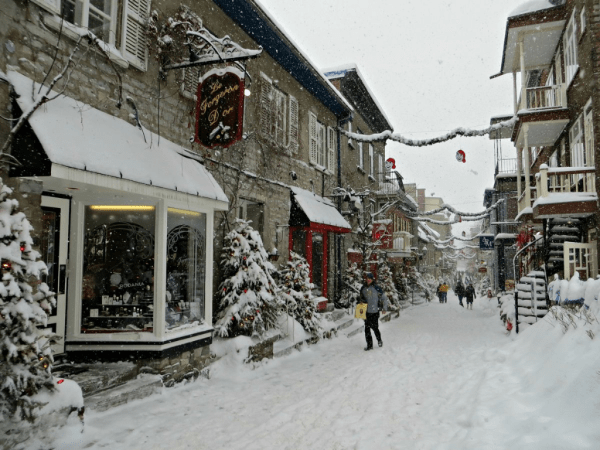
x,y
575,292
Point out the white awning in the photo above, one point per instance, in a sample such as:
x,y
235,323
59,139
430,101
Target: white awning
x,y
79,136
319,209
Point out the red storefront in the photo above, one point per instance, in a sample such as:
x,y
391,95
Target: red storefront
x,y
312,219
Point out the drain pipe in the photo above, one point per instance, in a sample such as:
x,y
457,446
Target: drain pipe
x,y
338,237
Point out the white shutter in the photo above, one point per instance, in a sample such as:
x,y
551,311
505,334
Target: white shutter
x,y
134,32
350,142
588,132
312,137
380,169
371,160
360,155
279,125
50,5
266,107
293,131
331,149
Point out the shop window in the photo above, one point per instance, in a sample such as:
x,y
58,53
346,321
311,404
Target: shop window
x,y
186,268
299,242
118,269
49,248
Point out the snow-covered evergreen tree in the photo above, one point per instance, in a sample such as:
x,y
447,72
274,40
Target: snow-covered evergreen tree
x,y
386,282
25,352
296,293
353,281
248,301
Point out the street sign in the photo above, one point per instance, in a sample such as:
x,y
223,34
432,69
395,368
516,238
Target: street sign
x,y
486,242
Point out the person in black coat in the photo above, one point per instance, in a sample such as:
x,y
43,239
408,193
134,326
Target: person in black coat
x,y
470,295
459,290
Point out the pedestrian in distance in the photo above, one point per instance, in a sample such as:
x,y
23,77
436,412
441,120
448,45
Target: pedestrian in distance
x,y
439,292
459,290
470,295
376,300
444,288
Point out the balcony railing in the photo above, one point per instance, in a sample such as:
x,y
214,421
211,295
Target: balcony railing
x,y
556,180
401,241
542,97
506,166
527,198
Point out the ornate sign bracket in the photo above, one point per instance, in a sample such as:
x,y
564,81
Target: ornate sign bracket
x,y
205,49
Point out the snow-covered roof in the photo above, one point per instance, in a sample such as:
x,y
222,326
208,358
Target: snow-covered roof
x,y
530,7
500,236
319,209
341,71
79,136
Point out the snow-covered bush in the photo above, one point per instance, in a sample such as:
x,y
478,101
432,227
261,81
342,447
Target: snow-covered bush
x,y
386,282
352,282
248,301
296,293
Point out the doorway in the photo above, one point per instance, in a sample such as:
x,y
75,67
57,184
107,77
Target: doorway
x,y
54,246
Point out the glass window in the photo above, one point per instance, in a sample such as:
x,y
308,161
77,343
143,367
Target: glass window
x,y
95,15
317,263
253,212
186,268
118,269
49,248
570,45
299,242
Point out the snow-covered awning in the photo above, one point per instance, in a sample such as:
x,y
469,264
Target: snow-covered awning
x,y
78,136
317,210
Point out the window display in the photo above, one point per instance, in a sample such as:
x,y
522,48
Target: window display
x,y
118,269
186,268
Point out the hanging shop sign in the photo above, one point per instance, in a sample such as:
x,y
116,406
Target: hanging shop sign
x,y
482,270
486,242
220,108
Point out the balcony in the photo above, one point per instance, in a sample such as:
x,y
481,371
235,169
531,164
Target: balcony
x,y
401,241
565,192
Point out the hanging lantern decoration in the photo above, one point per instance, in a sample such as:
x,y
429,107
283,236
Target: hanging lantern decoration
x,y
461,156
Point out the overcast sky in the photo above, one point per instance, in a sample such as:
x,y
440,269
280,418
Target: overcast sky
x,y
429,64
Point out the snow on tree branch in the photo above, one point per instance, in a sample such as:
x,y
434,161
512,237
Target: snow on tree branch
x,y
388,135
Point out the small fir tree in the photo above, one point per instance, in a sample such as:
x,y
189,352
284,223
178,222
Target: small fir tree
x,y
25,349
353,281
386,282
248,302
296,293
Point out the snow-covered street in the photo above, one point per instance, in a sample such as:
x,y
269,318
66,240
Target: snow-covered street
x,y
446,378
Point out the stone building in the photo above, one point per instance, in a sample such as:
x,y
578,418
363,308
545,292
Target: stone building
x,y
129,208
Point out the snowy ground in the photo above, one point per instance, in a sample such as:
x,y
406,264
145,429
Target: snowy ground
x,y
446,378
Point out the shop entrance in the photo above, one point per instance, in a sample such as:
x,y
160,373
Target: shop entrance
x,y
54,245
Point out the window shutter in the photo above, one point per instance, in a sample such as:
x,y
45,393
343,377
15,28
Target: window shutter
x,y
279,125
50,5
266,102
312,135
588,132
371,160
331,149
350,142
380,169
134,32
360,155
293,132
189,86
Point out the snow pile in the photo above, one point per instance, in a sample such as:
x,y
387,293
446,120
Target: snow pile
x,y
575,292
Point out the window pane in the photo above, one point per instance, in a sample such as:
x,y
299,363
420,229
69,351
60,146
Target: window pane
x,y
49,248
186,268
299,242
118,269
317,263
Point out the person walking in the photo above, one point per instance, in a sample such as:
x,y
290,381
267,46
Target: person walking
x,y
459,290
470,295
444,288
376,300
439,292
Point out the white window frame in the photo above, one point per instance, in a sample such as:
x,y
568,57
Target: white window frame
x,y
87,8
381,168
570,45
588,134
371,160
331,149
577,143
278,115
321,146
131,18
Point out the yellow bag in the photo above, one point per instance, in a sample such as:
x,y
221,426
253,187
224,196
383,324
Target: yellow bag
x,y
361,311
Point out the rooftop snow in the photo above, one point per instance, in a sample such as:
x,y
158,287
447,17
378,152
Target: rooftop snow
x,y
531,6
79,136
319,209
566,197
